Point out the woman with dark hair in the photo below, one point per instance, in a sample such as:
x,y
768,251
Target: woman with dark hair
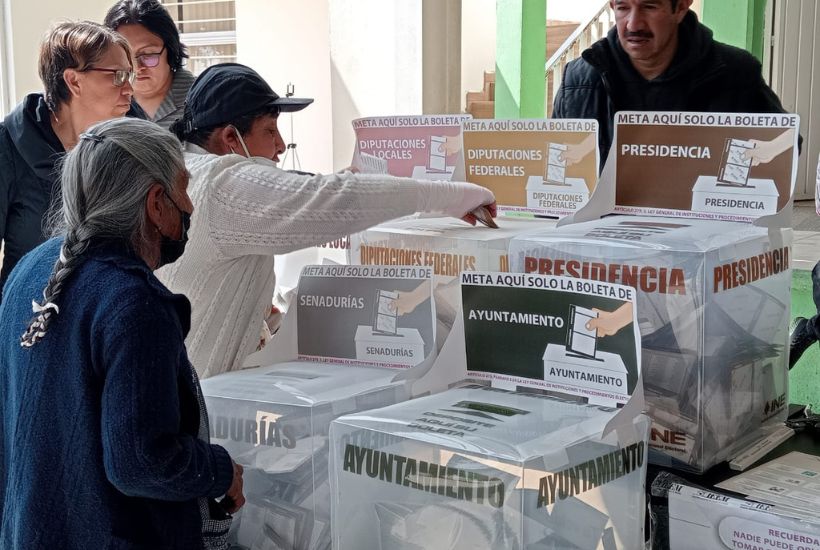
x,y
103,430
87,75
162,83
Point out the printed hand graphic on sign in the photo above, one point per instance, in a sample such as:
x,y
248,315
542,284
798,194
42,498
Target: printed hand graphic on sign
x,y
451,145
610,322
765,151
577,151
407,302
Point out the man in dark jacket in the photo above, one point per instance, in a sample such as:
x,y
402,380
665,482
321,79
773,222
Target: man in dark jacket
x,y
660,58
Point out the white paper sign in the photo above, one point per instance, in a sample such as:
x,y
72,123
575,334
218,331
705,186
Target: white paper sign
x,y
700,519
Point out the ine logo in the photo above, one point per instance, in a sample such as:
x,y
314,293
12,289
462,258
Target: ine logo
x,y
669,437
774,405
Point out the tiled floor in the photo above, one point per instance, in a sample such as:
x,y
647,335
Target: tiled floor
x,y
806,225
806,250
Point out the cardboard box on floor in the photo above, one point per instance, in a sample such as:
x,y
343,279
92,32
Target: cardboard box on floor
x,y
713,287
485,467
274,419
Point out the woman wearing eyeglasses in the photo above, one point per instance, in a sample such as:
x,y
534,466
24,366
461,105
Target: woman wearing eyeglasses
x,y
162,83
87,75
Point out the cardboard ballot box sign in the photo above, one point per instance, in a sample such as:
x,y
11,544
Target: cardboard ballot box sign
x,y
723,166
534,166
557,324
417,146
486,467
478,467
381,315
713,311
448,246
356,338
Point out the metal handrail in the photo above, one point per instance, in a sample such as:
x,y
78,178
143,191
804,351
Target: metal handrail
x,y
587,32
575,35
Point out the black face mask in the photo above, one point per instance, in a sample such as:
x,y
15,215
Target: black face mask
x,y
171,249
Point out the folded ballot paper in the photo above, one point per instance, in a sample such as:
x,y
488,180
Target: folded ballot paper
x,y
486,467
356,339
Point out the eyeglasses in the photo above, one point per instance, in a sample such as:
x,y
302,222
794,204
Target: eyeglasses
x,y
121,76
149,59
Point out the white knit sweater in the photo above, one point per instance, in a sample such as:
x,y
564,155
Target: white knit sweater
x,y
247,210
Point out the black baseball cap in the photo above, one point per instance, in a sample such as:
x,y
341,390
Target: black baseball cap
x,y
227,91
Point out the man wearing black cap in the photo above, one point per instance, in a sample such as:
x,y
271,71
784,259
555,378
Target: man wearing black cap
x,y
248,210
235,98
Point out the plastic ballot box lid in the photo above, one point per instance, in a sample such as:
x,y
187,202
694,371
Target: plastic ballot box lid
x,y
301,383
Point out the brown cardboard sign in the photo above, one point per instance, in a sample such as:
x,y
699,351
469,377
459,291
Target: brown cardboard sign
x,y
729,166
534,166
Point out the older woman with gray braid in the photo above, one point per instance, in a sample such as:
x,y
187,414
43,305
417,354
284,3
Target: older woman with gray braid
x,y
103,431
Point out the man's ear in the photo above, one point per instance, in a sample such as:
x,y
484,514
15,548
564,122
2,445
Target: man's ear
x,y
228,139
683,9
154,205
71,77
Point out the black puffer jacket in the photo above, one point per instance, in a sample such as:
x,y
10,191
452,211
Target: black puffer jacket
x,y
29,178
705,75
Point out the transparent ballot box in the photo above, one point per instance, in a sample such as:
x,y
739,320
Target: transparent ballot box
x,y
274,421
479,467
713,309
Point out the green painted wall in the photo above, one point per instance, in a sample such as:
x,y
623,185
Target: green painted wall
x,y
804,378
519,58
737,22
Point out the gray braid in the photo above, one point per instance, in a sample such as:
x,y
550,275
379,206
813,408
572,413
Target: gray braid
x,y
105,180
70,257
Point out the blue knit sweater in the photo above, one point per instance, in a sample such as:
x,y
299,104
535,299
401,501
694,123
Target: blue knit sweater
x,y
99,420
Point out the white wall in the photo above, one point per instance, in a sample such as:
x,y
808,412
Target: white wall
x,y
287,41
477,44
375,64
572,10
581,10
29,20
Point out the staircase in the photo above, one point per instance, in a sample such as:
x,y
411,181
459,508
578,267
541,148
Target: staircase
x,y
482,104
565,41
